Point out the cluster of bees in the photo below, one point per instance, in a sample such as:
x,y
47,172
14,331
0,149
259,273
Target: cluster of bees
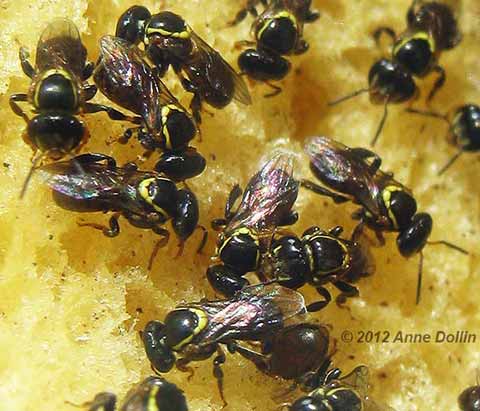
x,y
270,313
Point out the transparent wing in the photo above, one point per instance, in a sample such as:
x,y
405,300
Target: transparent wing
x,y
60,46
125,77
269,196
358,379
218,68
84,182
339,168
253,312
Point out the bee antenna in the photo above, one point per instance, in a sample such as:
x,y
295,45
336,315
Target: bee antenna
x,y
419,280
382,123
35,161
449,245
348,96
450,162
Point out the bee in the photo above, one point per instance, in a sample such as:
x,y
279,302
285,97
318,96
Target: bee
x,y
431,29
463,129
196,331
317,258
124,77
336,393
152,394
353,174
469,399
170,41
94,183
58,92
293,353
247,230
278,31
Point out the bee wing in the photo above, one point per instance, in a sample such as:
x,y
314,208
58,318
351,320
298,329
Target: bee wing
x,y
255,311
60,46
125,77
219,69
83,182
358,379
269,195
336,166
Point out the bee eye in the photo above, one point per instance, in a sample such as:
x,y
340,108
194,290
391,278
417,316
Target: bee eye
x,y
400,205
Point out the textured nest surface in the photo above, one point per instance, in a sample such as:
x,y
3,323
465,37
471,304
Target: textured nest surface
x,y
72,301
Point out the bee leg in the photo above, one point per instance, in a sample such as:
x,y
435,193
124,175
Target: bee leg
x,y
181,364
377,34
311,230
233,196
92,158
311,16
87,70
347,291
89,92
218,224
276,90
14,99
244,43
260,360
319,305
439,82
203,242
112,230
248,9
302,47
111,112
27,67
165,234
336,231
337,198
218,373
358,230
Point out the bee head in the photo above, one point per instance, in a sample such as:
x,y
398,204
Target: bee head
x,y
131,24
160,194
240,249
159,353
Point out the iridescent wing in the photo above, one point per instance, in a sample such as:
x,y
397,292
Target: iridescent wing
x,y
339,168
85,181
125,77
254,312
268,197
219,69
358,379
60,47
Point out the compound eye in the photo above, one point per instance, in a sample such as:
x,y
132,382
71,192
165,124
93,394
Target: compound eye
x,y
414,237
182,325
241,251
401,207
469,400
309,404
466,128
158,351
342,399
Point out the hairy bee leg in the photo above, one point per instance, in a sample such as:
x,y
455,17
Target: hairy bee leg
x,y
218,361
347,291
162,242
16,98
319,305
388,31
276,90
27,67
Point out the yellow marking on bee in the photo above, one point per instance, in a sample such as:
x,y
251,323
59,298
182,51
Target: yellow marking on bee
x,y
387,198
346,255
166,110
143,190
152,399
280,15
186,34
51,72
420,35
242,231
202,323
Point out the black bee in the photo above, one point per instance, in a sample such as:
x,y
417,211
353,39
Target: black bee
x,y
463,129
335,393
353,174
317,258
293,353
469,399
196,331
247,230
278,32
431,29
94,182
169,40
58,93
152,394
123,75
